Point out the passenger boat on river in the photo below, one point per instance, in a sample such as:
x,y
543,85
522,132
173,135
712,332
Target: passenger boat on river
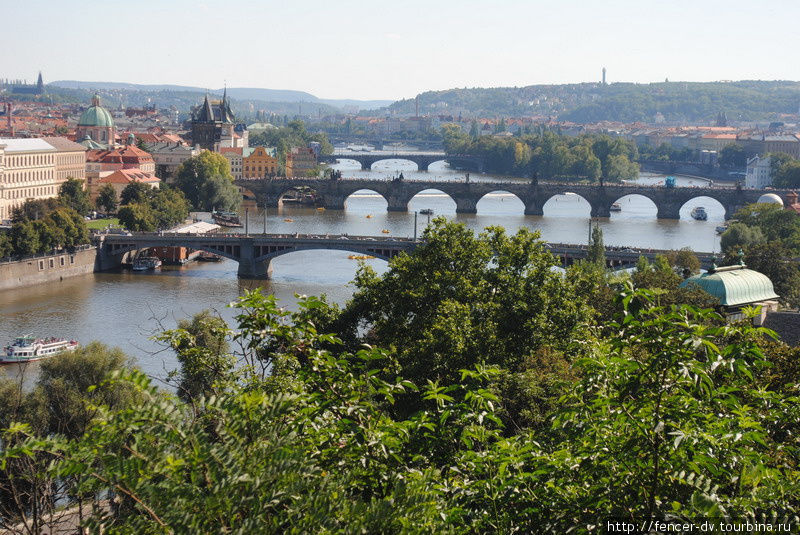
x,y
28,348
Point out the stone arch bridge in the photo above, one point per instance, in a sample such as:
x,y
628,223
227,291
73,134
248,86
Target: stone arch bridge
x,y
254,253
422,159
398,193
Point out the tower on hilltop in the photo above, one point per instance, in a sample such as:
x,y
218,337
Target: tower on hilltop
x,y
604,76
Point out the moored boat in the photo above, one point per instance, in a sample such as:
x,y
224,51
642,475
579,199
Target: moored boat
x,y
226,219
29,348
426,211
144,263
615,207
699,213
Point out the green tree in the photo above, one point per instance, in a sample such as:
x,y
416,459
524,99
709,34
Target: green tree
x,y
463,299
137,217
597,250
195,174
6,248
107,199
204,354
24,238
740,235
169,207
73,195
732,155
135,192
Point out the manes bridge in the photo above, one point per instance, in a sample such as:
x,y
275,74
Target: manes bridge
x,y
255,252
422,159
668,201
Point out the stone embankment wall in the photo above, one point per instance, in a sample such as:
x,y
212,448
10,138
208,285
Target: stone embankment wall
x,y
43,269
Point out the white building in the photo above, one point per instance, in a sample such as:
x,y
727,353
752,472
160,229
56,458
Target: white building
x,y
759,173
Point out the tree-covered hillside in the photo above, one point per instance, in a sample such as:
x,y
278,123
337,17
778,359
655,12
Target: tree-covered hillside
x,y
591,102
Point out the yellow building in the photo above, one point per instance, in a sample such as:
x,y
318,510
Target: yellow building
x,y
260,163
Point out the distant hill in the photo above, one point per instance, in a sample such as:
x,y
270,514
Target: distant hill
x,y
239,93
592,102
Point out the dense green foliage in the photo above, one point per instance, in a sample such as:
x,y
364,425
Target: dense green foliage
x,y
470,389
548,155
152,209
785,170
698,102
107,198
73,195
207,183
40,226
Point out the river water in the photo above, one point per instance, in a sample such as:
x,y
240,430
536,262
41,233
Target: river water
x,y
125,309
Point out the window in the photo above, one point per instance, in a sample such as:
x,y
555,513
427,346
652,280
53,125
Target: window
x,y
52,264
72,259
62,261
41,265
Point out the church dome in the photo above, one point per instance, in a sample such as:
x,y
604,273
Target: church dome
x,y
96,115
734,285
770,198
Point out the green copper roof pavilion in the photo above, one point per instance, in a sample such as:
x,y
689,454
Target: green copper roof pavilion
x,y
734,285
96,115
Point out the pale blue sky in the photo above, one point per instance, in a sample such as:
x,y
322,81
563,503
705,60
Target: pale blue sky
x,y
389,50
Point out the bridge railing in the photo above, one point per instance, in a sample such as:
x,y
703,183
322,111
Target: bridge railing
x,y
172,236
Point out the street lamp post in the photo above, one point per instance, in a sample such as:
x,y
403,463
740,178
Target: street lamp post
x,y
415,225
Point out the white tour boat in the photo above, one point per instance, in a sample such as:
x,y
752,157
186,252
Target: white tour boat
x,y
699,213
29,348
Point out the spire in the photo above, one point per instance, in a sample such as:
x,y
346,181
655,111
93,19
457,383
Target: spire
x,y
226,115
39,81
206,114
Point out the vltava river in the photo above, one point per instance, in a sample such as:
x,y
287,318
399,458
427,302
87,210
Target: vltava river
x,y
125,309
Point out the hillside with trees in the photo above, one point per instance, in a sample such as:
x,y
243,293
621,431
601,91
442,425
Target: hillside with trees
x,y
592,102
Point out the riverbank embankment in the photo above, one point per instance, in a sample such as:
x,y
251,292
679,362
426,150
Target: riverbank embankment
x,y
39,269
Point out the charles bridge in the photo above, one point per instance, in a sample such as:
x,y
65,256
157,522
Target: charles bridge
x,y
254,252
332,194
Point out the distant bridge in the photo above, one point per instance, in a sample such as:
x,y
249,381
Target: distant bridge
x,y
668,201
255,252
422,159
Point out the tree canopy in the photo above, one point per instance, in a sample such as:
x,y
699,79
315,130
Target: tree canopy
x,y
207,183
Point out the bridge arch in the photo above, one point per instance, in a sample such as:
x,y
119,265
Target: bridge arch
x,y
231,252
714,208
567,204
300,192
501,202
432,198
420,165
366,200
634,205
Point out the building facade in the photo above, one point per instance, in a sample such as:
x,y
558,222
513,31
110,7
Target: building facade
x,y
70,159
300,162
167,157
27,171
261,163
759,173
101,163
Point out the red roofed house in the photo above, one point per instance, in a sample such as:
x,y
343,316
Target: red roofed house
x,y
120,178
100,163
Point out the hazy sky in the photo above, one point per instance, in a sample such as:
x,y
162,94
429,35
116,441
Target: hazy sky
x,y
390,50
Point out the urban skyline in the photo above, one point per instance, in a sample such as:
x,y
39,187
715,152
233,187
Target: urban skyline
x,y
399,50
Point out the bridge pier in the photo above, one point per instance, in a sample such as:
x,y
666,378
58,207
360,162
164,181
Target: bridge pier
x,y
601,210
249,268
534,208
669,211
466,205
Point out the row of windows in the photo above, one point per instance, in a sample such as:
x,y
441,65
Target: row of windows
x,y
17,177
29,160
28,193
